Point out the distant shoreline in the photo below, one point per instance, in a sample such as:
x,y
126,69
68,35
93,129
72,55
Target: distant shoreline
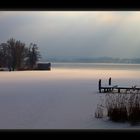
x,y
121,63
95,60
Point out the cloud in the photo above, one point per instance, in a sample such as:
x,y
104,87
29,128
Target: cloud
x,y
75,33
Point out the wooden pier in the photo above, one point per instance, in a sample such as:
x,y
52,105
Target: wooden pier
x,y
110,88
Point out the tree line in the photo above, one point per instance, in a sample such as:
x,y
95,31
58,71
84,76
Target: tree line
x,y
15,55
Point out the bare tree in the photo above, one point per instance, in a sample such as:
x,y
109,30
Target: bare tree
x,y
3,55
20,54
15,55
16,51
33,55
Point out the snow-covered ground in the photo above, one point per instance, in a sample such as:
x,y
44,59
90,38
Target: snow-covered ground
x,y
57,99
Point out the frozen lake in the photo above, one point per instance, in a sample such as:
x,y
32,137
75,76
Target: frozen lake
x,y
63,98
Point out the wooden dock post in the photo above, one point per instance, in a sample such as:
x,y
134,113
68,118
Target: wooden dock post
x,y
110,81
119,90
99,85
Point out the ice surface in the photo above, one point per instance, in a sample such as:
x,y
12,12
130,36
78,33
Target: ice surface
x,y
57,99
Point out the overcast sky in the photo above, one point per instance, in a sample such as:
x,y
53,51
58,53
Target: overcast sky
x,y
75,34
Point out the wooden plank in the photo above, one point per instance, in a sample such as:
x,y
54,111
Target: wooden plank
x,y
111,88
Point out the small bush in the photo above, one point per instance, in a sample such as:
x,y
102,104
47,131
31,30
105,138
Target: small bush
x,y
118,114
99,112
134,108
121,107
134,116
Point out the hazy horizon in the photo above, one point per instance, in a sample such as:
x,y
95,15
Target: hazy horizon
x,y
75,34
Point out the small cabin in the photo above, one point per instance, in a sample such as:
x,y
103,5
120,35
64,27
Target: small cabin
x,y
43,66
